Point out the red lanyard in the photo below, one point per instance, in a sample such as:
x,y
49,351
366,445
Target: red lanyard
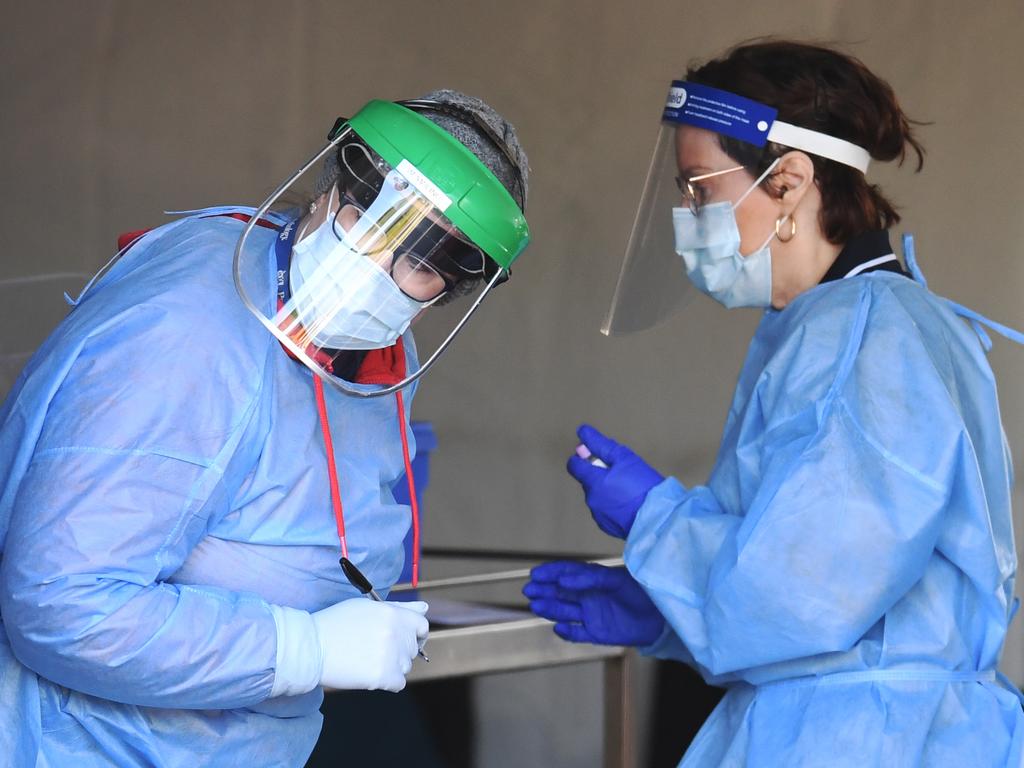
x,y
332,474
283,248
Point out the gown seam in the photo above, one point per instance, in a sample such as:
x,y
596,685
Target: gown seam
x,y
55,452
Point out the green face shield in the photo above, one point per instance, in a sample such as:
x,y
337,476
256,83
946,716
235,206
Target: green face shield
x,y
413,215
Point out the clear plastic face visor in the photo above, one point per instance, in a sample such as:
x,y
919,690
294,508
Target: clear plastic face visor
x,y
652,282
356,268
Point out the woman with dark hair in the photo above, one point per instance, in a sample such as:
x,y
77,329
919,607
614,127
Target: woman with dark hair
x,y
847,571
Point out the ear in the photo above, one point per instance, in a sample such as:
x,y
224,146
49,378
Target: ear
x,y
316,212
792,179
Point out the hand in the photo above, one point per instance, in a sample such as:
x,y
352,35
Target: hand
x,y
614,494
593,604
370,645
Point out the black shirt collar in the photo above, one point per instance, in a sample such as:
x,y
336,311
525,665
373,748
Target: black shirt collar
x,y
866,252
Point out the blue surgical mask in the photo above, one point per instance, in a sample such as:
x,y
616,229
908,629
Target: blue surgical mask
x,y
344,299
709,243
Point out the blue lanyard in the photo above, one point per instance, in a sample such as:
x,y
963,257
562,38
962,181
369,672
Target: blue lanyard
x,y
283,250
978,321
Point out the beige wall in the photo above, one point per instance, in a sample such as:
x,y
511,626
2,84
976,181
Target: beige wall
x,y
115,111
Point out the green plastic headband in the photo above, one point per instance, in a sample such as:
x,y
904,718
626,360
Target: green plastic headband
x,y
463,188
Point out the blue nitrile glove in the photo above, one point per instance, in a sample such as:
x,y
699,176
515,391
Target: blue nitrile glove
x,y
593,604
613,493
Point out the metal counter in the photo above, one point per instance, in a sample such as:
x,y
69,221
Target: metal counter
x,y
528,643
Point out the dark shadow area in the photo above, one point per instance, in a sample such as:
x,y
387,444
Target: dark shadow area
x,y
428,725
682,702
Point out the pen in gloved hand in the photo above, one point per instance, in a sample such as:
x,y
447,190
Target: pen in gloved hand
x,y
360,582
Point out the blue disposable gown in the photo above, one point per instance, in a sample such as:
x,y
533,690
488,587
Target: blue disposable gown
x,y
847,572
164,480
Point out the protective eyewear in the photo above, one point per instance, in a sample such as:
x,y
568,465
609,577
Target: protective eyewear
x,y
425,255
695,194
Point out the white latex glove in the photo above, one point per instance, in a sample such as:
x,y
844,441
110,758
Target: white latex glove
x,y
354,644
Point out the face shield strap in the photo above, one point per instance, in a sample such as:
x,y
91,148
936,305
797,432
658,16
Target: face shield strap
x,y
740,118
820,144
363,182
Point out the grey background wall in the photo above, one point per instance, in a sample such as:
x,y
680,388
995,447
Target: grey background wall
x,y
116,111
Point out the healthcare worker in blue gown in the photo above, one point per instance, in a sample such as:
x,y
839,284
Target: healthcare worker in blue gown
x,y
171,518
847,571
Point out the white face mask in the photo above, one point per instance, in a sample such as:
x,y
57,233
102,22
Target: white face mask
x,y
345,300
709,244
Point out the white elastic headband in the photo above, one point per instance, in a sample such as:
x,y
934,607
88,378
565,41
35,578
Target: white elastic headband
x,y
820,144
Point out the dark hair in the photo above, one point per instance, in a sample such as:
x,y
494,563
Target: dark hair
x,y
816,87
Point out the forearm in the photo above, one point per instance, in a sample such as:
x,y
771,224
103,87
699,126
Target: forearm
x,y
158,645
671,548
800,573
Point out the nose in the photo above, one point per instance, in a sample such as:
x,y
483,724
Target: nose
x,y
347,217
382,258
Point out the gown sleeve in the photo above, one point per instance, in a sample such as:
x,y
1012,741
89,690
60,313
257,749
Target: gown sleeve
x,y
825,506
129,465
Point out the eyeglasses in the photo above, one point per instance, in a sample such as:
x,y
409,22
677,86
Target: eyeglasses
x,y
696,196
491,269
419,279
425,257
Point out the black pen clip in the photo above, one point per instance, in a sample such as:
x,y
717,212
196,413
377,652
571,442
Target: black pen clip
x,y
355,576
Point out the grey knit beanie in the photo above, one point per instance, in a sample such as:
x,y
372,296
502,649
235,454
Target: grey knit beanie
x,y
480,145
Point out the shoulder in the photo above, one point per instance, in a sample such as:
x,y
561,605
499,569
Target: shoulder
x,y
196,253
837,316
177,283
865,356
810,335
835,334
165,329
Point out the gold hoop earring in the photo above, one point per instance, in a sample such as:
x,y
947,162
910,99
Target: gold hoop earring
x,y
792,228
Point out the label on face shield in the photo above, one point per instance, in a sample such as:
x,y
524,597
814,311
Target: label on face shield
x,y
424,186
719,111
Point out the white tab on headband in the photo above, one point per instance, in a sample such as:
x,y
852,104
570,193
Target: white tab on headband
x,y
820,144
424,186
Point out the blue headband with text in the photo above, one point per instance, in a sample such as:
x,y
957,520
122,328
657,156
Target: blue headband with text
x,y
753,122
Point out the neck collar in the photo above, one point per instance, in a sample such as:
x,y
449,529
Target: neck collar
x,y
867,252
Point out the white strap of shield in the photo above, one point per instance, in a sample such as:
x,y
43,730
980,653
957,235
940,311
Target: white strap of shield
x,y
820,144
